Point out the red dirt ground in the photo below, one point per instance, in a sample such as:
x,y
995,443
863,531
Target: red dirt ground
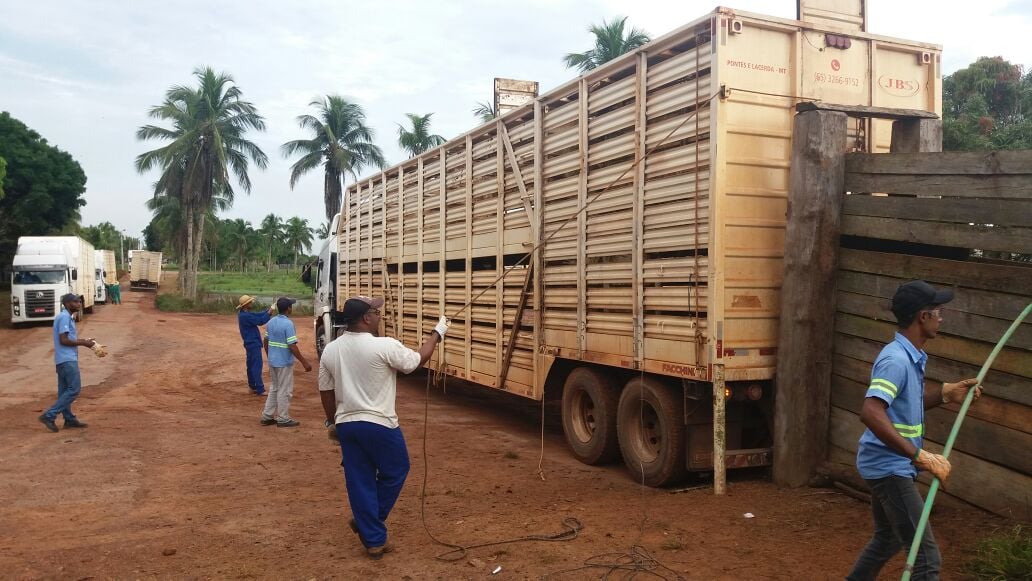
x,y
174,460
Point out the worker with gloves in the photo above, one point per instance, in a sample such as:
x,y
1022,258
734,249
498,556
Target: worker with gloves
x,y
890,453
357,385
249,322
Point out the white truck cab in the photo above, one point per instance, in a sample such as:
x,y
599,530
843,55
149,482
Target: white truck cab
x,y
324,282
45,268
100,275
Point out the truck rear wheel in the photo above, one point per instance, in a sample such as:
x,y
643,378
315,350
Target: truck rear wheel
x,y
650,423
590,402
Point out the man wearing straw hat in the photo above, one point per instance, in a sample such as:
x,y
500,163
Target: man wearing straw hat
x,y
890,452
249,323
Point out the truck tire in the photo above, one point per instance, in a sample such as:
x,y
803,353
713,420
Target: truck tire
x,y
650,423
322,338
590,402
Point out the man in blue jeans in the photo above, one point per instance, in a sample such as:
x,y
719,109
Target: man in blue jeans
x,y
249,323
890,453
66,357
358,386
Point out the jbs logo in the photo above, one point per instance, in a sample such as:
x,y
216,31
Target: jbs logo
x,y
899,87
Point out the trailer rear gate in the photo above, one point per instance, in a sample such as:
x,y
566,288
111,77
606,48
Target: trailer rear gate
x,y
689,242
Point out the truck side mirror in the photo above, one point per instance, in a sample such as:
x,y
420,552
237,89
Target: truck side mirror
x,y
75,274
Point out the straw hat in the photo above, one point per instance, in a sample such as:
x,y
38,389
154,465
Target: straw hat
x,y
244,301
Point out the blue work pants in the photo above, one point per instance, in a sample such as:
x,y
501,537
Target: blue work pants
x,y
254,367
69,384
375,462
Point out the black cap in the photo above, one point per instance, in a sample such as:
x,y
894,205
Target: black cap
x,y
69,297
283,303
355,307
916,295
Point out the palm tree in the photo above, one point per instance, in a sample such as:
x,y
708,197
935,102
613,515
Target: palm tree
x,y
341,143
485,111
272,235
418,139
237,237
297,236
610,42
323,231
204,145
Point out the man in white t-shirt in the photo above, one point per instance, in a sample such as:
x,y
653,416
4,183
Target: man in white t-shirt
x,y
358,385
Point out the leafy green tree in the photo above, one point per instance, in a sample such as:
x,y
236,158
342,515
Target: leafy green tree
x,y
987,106
341,143
43,187
323,231
611,40
272,236
238,236
151,237
205,144
103,236
298,236
485,111
418,138
3,174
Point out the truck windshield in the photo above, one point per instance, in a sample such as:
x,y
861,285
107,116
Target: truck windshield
x,y
38,277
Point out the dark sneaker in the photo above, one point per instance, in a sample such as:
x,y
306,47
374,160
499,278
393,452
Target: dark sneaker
x,y
75,424
377,553
268,421
258,392
49,423
288,424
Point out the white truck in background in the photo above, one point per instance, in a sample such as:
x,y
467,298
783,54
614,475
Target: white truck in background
x,y
323,278
46,268
105,273
144,270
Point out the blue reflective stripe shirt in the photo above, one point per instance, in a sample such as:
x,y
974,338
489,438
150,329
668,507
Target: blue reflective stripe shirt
x,y
897,379
249,323
281,335
64,323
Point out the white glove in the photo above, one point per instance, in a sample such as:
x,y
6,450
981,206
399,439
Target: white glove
x,y
442,326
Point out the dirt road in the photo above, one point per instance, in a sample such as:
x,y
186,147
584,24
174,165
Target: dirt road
x,y
174,461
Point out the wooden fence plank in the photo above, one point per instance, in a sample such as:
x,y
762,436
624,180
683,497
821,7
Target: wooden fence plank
x,y
980,236
954,186
958,210
983,439
970,274
1001,385
1015,361
865,111
948,163
984,484
956,323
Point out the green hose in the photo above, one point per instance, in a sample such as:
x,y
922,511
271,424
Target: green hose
x,y
915,544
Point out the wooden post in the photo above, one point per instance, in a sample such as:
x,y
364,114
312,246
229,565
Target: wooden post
x,y
916,135
806,333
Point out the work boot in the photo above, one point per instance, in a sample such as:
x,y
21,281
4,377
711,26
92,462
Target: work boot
x,y
75,423
268,421
49,423
377,553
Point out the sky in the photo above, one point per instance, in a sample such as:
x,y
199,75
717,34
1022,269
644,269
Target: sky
x,y
84,73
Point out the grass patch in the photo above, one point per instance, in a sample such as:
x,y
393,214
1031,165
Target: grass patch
x,y
254,283
1004,555
176,303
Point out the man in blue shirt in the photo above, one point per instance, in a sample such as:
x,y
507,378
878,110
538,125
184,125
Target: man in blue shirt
x,y
890,455
281,345
249,323
66,358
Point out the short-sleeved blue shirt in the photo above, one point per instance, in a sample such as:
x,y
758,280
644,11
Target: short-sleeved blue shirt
x,y
281,335
898,379
63,323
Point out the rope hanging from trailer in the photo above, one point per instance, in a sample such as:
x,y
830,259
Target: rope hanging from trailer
x,y
638,560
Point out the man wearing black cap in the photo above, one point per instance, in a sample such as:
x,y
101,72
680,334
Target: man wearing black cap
x,y
281,346
66,358
358,385
890,455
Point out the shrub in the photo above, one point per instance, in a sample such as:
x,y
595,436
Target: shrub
x,y
1004,555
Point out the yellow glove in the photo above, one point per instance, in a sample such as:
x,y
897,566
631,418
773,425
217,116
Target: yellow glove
x,y
99,350
938,465
956,392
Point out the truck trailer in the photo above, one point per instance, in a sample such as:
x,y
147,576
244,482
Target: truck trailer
x,y
144,270
620,238
45,269
105,273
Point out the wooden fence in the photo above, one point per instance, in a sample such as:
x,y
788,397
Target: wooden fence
x,y
957,220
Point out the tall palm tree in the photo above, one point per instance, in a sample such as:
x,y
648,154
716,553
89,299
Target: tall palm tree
x,y
323,231
485,111
298,236
237,237
611,41
271,232
418,139
205,144
341,143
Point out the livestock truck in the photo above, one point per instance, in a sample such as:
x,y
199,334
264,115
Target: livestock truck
x,y
637,214
46,268
144,270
